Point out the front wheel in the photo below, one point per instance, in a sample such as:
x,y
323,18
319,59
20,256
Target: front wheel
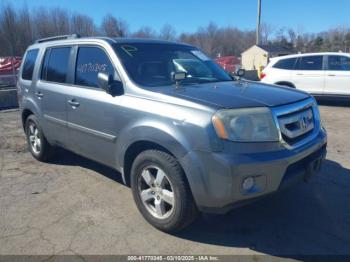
x,y
161,191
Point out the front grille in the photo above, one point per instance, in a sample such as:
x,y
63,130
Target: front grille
x,y
298,122
297,125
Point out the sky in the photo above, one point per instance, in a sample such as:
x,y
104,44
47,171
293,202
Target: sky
x,y
188,15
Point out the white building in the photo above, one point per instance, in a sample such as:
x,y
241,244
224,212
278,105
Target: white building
x,y
259,55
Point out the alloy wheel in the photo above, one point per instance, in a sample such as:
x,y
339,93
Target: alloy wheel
x,y
34,138
156,192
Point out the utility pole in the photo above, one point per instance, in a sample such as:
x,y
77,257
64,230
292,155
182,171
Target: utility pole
x,y
258,23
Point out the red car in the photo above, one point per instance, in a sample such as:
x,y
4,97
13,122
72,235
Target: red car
x,y
228,63
9,67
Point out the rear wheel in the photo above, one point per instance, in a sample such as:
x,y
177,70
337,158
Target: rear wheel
x,y
161,191
37,143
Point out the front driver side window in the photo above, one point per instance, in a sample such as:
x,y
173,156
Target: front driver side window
x,y
91,61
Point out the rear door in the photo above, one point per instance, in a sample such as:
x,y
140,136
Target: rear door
x,y
51,90
309,74
337,75
93,115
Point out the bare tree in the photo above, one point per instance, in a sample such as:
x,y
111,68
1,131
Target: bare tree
x,y
60,19
9,29
266,30
113,27
20,27
167,33
26,32
43,24
82,25
144,32
206,38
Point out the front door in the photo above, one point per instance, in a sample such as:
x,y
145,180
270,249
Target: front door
x,y
92,113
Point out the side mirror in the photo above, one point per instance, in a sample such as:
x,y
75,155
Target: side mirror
x,y
107,83
240,72
178,76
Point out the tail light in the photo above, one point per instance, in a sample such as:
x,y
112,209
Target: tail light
x,y
262,75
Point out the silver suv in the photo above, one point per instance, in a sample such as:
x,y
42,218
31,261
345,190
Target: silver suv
x,y
184,134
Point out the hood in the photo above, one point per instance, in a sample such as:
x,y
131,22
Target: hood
x,y
235,94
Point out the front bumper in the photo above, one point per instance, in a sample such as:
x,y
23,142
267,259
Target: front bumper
x,y
216,178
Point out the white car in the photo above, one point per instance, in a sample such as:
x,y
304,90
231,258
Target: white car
x,y
321,74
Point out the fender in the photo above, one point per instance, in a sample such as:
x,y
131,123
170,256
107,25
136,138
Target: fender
x,y
152,131
173,141
169,138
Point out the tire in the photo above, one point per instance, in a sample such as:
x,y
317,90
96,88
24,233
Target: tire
x,y
37,143
157,210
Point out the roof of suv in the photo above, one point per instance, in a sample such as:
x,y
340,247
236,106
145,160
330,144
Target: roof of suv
x,y
59,40
308,54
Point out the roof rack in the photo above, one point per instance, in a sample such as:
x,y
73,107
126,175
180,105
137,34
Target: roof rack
x,y
59,37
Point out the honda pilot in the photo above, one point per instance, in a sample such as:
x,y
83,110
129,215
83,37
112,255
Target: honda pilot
x,y
184,134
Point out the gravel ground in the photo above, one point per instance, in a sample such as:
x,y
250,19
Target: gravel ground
x,y
76,206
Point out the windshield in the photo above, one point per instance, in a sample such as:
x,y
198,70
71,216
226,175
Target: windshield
x,y
155,64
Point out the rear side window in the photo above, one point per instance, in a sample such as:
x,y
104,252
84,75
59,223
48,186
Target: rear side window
x,y
338,63
91,61
285,63
29,63
310,63
55,66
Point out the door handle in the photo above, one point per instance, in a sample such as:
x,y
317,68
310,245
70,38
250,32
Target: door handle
x,y
73,103
299,74
39,94
331,75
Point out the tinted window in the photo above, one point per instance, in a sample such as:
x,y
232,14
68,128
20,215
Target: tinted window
x,y
91,61
152,64
56,64
310,63
285,63
29,63
339,63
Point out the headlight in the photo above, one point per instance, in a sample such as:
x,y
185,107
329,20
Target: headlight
x,y
246,125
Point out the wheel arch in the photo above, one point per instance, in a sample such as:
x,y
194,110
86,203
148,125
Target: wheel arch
x,y
285,83
134,150
132,142
25,114
29,107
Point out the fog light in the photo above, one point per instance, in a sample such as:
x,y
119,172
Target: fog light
x,y
248,183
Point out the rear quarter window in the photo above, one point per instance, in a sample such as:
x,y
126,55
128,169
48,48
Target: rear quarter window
x,y
287,63
29,63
